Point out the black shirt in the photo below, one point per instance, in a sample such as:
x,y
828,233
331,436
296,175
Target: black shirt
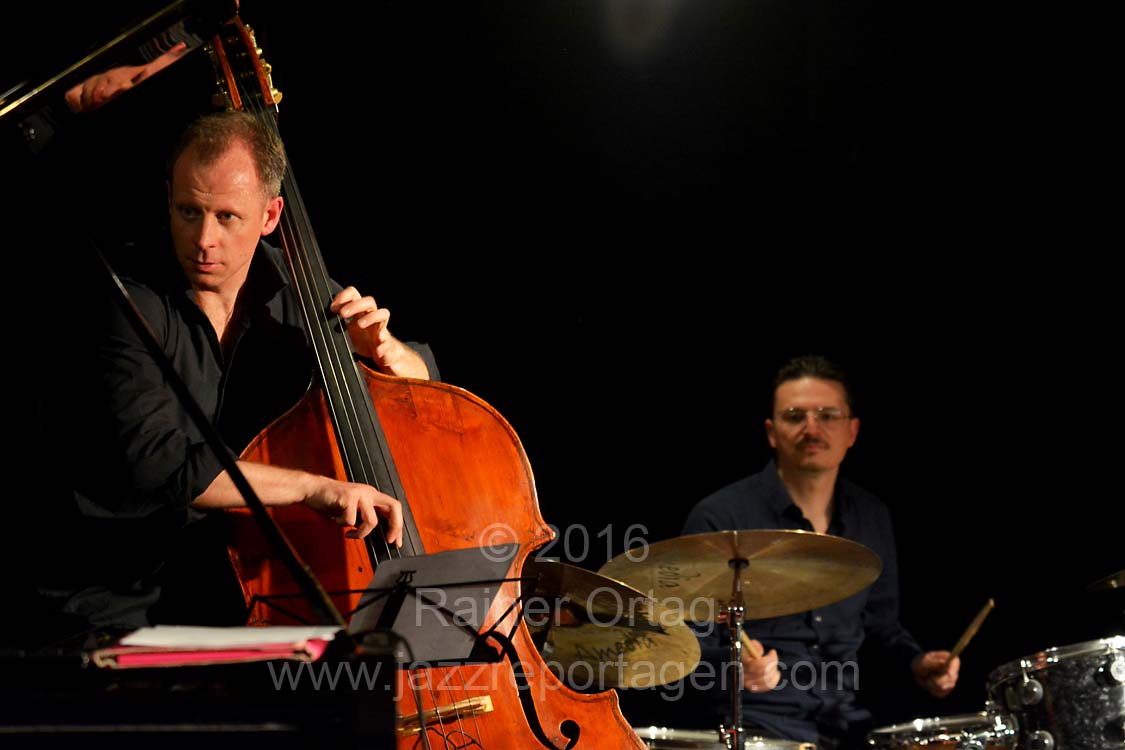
x,y
131,513
817,694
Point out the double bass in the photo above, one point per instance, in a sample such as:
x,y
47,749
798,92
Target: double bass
x,y
463,480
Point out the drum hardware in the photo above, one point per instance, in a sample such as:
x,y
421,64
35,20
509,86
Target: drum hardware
x,y
1113,672
1031,692
665,738
736,609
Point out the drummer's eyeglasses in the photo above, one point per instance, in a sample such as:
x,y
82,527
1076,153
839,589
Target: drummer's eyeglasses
x,y
827,416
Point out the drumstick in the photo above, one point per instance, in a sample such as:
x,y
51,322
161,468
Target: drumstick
x,y
752,646
971,630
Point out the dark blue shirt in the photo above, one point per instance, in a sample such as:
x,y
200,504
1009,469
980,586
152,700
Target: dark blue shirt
x,y
817,650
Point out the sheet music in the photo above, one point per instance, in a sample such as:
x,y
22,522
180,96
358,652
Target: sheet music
x,y
195,637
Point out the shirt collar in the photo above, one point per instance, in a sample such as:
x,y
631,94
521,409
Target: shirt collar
x,y
267,275
782,504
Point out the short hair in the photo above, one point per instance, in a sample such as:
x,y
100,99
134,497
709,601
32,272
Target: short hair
x,y
813,366
213,134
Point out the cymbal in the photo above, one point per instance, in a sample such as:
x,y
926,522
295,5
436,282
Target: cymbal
x,y
598,631
1109,583
582,588
788,571
621,654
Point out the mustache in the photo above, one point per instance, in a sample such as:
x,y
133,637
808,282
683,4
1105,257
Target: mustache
x,y
811,441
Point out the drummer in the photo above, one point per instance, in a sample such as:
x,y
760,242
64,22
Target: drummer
x,y
804,686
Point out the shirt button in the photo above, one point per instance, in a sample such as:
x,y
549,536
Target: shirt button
x,y
815,647
817,618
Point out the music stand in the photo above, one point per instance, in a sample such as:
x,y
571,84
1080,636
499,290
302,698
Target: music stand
x,y
437,603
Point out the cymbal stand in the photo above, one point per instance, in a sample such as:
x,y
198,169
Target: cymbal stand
x,y
736,609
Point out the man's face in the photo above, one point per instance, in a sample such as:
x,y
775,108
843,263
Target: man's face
x,y
219,211
811,428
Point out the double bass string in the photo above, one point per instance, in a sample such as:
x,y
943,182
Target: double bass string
x,y
309,286
343,355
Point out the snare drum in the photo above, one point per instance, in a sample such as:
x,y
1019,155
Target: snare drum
x,y
664,738
1069,697
982,731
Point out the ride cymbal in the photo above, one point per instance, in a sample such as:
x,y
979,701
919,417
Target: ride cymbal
x,y
786,572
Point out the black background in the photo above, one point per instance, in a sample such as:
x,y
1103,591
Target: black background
x,y
613,221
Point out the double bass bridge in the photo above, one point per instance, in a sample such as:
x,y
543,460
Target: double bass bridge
x,y
412,724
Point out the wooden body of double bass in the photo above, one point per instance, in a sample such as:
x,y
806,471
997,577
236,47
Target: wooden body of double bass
x,y
468,484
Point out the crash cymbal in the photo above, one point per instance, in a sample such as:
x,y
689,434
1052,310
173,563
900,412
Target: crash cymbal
x,y
787,571
1109,583
582,589
619,653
